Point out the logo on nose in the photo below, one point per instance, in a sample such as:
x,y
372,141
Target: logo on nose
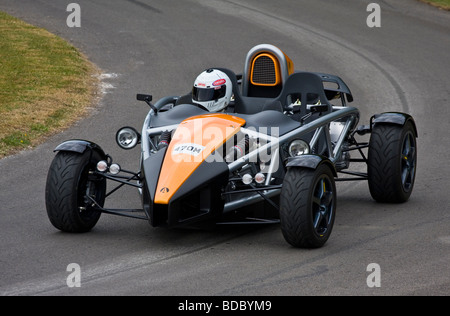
x,y
164,190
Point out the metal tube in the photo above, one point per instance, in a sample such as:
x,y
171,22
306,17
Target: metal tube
x,y
158,130
338,147
329,145
315,138
274,162
296,133
231,206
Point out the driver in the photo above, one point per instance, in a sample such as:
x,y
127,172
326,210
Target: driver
x,y
212,90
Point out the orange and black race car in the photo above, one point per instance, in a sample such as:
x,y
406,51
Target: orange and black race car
x,y
273,155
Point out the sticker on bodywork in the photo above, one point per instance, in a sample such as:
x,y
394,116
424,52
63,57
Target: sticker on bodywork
x,y
190,149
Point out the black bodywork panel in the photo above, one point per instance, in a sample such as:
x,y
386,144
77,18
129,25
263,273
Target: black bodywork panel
x,y
199,198
79,146
176,115
269,119
310,162
396,118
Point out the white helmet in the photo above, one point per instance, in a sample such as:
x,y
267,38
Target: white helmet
x,y
212,90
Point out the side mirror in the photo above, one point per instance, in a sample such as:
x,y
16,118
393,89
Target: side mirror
x,y
144,97
147,98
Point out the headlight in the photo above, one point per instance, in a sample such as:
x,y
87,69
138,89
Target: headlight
x,y
247,178
127,138
114,169
260,178
102,166
298,147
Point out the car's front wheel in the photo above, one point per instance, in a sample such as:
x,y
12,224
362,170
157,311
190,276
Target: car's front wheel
x,y
308,206
73,190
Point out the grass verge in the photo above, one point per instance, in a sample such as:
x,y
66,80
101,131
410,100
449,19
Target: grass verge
x,y
442,4
45,85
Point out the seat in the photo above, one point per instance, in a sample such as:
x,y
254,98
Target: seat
x,y
307,88
239,106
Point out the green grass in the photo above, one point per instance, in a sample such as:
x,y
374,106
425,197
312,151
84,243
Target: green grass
x,y
443,4
45,84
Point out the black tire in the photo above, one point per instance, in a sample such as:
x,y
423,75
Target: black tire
x,y
308,206
68,182
392,162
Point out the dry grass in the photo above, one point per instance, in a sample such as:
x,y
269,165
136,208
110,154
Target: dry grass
x,y
442,4
45,85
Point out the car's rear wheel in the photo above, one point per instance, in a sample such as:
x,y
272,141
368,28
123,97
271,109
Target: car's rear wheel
x,y
392,162
71,190
308,206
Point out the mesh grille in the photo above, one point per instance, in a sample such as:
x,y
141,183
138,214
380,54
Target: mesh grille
x,y
264,71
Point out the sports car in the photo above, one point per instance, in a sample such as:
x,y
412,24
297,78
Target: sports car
x,y
272,157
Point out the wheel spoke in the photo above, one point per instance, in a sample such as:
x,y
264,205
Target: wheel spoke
x,y
320,189
316,200
412,154
328,199
317,219
406,146
326,219
405,175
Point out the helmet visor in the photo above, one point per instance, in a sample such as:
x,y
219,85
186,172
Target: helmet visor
x,y
208,94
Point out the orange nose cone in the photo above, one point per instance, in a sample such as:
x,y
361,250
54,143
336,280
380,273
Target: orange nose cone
x,y
194,140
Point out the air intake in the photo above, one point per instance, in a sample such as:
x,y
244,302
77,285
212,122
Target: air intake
x,y
265,71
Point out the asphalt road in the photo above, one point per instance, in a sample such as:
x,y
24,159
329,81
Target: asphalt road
x,y
159,47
